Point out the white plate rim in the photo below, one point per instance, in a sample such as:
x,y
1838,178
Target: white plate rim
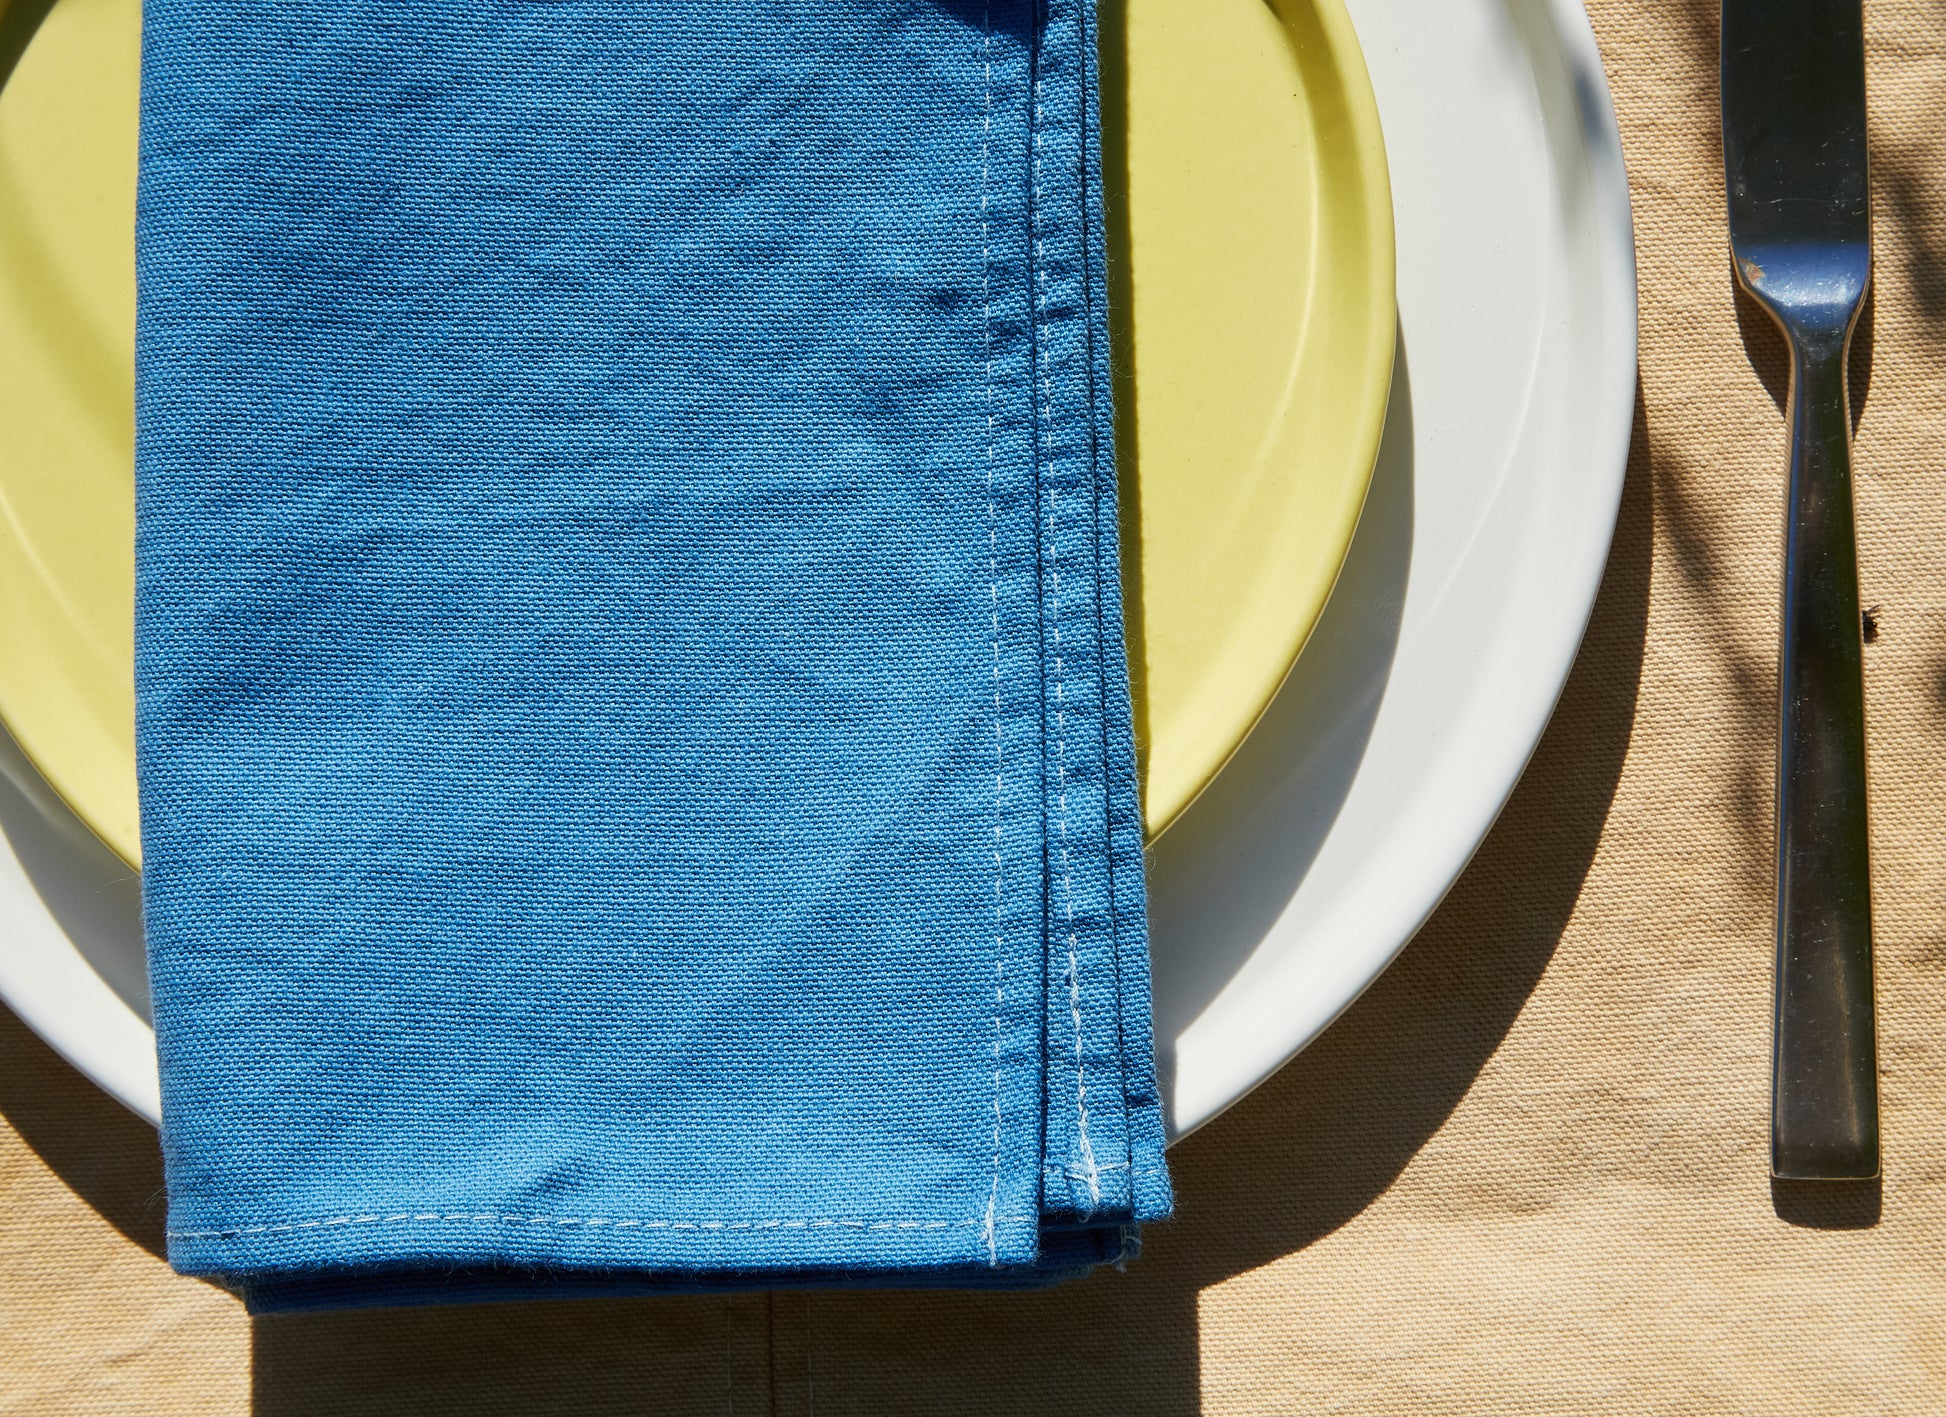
x,y
1555,519
46,977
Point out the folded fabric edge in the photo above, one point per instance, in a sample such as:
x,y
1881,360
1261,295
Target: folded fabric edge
x,y
1151,1195
1106,1128
1089,1158
1065,1255
217,1252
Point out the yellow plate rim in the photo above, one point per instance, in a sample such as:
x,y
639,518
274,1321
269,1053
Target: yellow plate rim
x,y
1354,295
1359,274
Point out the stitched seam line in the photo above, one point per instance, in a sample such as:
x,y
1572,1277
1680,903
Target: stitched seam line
x,y
990,1219
1046,420
588,1222
1055,1169
1108,607
993,592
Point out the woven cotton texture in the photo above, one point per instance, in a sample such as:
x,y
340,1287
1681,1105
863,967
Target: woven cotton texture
x,y
637,780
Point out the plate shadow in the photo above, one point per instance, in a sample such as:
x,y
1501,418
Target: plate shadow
x,y
1223,873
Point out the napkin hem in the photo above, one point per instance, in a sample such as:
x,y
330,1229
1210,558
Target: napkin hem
x,y
337,1105
372,1241
587,1222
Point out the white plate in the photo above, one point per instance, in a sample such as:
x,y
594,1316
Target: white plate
x,y
1356,802
1360,796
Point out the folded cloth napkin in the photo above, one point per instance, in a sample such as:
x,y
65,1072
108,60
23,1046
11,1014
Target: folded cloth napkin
x,y
637,780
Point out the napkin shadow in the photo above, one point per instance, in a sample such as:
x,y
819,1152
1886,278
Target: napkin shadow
x,y
19,21
104,1153
93,895
108,1156
1293,1162
1309,1150
1223,873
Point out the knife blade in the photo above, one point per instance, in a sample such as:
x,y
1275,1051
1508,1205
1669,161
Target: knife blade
x,y
1797,177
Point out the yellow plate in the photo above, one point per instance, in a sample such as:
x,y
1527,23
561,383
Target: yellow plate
x,y
1250,248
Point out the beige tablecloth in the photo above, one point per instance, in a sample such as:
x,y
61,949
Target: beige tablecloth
x,y
1525,1174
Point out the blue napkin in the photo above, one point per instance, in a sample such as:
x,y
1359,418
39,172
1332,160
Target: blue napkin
x,y
637,780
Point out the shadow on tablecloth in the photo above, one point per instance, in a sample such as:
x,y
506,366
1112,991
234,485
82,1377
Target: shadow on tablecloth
x,y
1283,1169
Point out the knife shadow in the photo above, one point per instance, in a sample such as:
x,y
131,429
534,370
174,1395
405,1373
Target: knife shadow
x,y
1828,1205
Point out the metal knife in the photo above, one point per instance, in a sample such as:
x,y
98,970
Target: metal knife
x,y
1794,158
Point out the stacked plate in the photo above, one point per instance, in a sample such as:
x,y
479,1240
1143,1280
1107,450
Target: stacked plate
x,y
1376,288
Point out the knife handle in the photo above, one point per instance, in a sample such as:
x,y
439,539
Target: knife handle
x,y
1824,1089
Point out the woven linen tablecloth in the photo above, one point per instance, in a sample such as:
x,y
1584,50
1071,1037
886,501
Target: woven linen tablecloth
x,y
1526,1173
